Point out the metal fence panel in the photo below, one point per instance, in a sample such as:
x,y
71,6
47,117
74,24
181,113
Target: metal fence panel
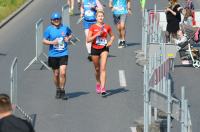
x,y
65,15
39,37
39,45
13,82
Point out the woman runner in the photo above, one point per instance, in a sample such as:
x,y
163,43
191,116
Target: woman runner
x,y
100,47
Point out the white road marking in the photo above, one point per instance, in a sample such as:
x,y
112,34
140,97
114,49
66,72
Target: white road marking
x,y
122,78
133,129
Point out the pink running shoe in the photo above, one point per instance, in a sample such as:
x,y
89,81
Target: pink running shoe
x,y
103,90
98,88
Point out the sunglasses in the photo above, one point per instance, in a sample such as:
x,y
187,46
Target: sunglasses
x,y
56,19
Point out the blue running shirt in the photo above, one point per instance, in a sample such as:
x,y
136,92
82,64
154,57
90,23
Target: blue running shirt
x,y
51,33
89,13
120,7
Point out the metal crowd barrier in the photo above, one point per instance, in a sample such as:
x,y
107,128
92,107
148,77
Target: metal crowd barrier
x,y
13,82
158,89
14,93
66,21
157,59
38,45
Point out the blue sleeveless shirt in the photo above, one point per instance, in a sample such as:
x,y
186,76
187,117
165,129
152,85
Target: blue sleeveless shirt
x,y
120,7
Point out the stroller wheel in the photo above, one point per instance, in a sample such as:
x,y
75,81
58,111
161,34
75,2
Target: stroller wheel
x,y
196,64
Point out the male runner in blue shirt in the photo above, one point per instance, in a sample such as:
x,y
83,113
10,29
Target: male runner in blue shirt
x,y
57,37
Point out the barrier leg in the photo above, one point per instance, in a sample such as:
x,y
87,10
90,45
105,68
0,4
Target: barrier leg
x,y
45,64
30,63
45,55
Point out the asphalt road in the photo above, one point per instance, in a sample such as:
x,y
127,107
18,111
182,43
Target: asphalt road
x,y
84,111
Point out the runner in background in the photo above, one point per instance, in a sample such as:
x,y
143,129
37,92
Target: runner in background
x,y
88,13
79,4
120,9
98,34
71,6
8,121
57,37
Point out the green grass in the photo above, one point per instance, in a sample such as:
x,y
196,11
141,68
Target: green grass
x,y
7,7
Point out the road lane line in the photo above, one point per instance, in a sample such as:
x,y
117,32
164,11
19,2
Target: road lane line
x,y
122,78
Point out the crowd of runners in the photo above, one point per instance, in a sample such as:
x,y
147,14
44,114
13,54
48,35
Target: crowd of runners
x,y
58,35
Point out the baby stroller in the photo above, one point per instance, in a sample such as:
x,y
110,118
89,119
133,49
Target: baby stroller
x,y
189,54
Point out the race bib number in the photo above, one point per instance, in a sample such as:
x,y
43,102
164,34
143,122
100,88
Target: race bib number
x,y
101,41
89,13
119,8
60,45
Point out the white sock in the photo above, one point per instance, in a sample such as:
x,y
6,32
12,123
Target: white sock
x,y
88,46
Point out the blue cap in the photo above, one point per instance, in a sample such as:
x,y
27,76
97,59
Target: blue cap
x,y
55,15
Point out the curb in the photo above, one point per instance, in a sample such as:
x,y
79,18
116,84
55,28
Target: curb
x,y
10,17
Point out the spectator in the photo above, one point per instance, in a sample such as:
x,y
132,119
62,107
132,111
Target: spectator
x,y
189,4
9,122
187,19
173,19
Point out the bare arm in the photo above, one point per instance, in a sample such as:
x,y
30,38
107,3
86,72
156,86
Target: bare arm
x,y
81,9
110,4
55,41
48,42
99,5
112,38
91,38
67,38
129,6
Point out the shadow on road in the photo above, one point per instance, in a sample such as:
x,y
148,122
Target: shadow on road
x,y
116,91
2,54
111,56
132,44
76,94
177,66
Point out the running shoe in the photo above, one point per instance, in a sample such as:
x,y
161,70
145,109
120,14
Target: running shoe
x,y
63,95
103,91
58,93
89,57
98,89
122,44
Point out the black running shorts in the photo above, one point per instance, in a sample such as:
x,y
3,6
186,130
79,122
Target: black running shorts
x,y
98,52
56,62
119,18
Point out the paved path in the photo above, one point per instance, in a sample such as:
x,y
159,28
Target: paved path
x,y
84,111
